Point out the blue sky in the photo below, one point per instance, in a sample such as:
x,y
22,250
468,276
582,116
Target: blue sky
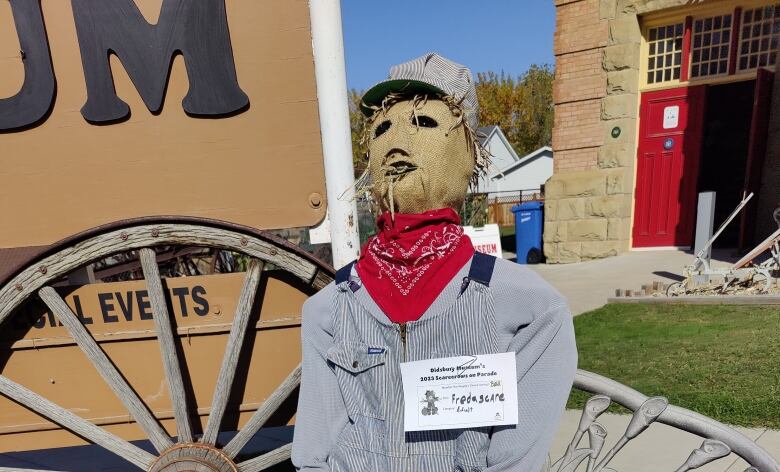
x,y
484,35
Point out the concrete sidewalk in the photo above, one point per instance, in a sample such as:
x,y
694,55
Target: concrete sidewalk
x,y
587,285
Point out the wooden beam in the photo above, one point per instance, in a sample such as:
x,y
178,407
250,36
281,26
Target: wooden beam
x,y
106,368
235,342
262,414
171,364
75,424
736,26
685,60
266,460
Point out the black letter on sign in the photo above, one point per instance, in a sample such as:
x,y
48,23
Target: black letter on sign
x,y
197,29
203,305
106,307
181,293
142,296
37,94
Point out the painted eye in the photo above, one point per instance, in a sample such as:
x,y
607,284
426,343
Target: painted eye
x,y
425,121
383,126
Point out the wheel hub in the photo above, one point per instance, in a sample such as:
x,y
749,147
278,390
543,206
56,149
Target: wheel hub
x,y
193,457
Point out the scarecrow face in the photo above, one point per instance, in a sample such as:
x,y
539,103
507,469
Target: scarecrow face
x,y
419,158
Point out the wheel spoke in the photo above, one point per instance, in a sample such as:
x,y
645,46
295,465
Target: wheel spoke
x,y
36,403
258,419
162,322
234,344
266,460
106,368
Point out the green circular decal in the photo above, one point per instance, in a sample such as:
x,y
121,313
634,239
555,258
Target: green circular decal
x,y
615,132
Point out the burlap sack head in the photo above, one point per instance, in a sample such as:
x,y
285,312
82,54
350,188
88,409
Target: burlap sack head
x,y
421,154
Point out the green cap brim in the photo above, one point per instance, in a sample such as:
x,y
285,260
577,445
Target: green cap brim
x,y
377,93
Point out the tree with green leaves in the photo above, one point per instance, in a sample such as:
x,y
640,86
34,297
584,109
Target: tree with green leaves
x,y
522,107
357,121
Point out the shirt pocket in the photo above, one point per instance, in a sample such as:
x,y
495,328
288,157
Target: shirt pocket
x,y
362,377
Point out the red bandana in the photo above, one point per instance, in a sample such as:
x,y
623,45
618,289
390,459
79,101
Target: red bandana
x,y
411,260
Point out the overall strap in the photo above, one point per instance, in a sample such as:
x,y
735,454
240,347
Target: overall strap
x,y
482,268
342,275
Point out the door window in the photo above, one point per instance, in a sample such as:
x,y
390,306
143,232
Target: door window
x,y
711,45
664,57
759,37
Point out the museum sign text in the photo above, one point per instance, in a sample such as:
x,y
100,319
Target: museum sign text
x,y
197,30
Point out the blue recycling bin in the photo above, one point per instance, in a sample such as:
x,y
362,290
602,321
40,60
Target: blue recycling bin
x,y
529,220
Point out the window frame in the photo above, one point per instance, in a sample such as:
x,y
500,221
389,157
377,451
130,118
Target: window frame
x,y
688,15
760,38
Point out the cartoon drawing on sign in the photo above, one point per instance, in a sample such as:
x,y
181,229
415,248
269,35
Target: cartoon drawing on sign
x,y
430,399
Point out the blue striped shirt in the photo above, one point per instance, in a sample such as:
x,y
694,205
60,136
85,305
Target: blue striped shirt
x,y
350,410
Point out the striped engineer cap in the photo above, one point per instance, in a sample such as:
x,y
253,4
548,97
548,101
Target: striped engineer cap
x,y
430,73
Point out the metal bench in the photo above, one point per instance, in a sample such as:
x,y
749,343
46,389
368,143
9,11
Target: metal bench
x,y
719,440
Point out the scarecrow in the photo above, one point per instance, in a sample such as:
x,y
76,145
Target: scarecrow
x,y
419,291
430,403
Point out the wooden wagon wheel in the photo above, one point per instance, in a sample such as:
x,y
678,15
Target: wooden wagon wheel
x,y
185,451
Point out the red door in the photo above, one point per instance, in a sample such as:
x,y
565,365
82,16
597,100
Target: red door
x,y
670,125
759,129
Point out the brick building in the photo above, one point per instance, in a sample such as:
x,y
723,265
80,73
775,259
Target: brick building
x,y
655,101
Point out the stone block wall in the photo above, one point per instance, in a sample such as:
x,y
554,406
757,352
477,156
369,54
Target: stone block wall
x,y
588,199
590,195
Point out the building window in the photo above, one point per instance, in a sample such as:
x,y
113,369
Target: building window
x,y
711,44
664,57
759,39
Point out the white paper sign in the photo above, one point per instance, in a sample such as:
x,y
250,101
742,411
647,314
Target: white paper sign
x,y
460,392
671,117
486,239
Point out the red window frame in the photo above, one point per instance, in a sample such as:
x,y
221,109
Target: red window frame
x,y
736,27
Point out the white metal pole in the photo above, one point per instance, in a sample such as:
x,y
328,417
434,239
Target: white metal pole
x,y
330,72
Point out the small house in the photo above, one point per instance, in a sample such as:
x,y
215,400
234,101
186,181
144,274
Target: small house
x,y
510,173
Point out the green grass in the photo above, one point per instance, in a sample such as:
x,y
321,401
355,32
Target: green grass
x,y
722,361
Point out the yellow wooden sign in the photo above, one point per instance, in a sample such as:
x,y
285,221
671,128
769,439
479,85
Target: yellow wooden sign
x,y
40,353
244,147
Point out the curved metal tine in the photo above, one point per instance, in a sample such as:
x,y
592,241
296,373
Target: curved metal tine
x,y
234,344
258,419
597,435
75,424
642,418
594,407
266,460
709,451
171,364
106,368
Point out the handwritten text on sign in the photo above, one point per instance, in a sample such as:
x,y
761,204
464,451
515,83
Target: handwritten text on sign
x,y
460,392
